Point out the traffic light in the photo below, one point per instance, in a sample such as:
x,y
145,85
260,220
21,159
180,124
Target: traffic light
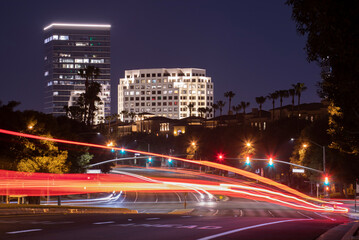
x,y
122,150
220,157
326,181
169,160
248,161
270,161
112,150
149,159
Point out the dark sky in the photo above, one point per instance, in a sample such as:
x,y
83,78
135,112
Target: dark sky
x,y
249,46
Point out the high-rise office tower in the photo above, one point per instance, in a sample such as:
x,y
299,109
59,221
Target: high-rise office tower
x,y
68,48
169,92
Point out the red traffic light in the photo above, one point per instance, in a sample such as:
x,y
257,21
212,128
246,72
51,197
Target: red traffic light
x,y
220,156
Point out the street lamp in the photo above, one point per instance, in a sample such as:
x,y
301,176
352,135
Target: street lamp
x,y
323,148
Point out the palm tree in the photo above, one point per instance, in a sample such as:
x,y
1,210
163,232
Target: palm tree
x,y
237,108
229,95
190,107
132,115
202,111
292,94
89,73
244,105
260,100
209,110
282,94
273,97
299,88
124,114
214,107
220,104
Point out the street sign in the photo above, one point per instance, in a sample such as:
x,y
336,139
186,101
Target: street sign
x,y
298,170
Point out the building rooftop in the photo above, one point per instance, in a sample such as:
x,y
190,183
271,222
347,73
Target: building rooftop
x,y
77,25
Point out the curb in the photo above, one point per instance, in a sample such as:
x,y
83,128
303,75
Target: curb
x,y
353,216
182,211
5,211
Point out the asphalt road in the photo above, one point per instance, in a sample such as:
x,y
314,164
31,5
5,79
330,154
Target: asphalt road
x,y
225,218
162,226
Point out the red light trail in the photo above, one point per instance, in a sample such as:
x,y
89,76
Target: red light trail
x,y
35,184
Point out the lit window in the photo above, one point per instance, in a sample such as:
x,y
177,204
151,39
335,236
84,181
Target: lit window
x,y
81,44
46,73
63,37
97,60
55,37
56,93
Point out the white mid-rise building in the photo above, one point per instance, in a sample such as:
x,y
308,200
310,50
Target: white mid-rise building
x,y
165,92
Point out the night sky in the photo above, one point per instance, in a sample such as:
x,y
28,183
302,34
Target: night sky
x,y
248,47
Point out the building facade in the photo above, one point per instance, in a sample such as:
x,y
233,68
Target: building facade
x,y
69,48
166,92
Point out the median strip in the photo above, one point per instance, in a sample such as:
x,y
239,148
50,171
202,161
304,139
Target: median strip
x,y
24,231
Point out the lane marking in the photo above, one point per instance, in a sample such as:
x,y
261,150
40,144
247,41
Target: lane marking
x,y
152,218
195,197
99,223
136,197
271,213
241,211
179,198
24,231
304,215
156,198
332,219
250,227
216,212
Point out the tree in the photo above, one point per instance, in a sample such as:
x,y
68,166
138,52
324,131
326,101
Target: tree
x,y
292,94
237,108
260,101
208,110
299,88
190,107
42,157
282,94
220,104
244,105
124,114
132,115
229,95
214,107
202,111
331,28
91,91
273,97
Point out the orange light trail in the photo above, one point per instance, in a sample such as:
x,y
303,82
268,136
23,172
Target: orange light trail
x,y
130,183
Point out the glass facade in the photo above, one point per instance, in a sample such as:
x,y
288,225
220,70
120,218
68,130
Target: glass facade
x,y
69,48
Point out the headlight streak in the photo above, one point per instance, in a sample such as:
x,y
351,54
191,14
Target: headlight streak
x,y
145,186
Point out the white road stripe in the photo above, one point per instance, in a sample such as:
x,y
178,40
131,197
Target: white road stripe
x,y
179,198
325,216
271,213
24,231
241,212
250,227
304,215
99,223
